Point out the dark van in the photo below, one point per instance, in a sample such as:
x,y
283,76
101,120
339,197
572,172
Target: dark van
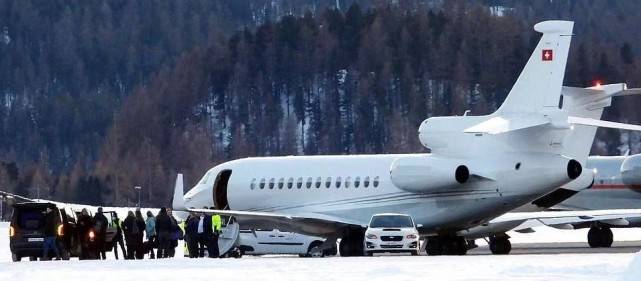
x,y
26,231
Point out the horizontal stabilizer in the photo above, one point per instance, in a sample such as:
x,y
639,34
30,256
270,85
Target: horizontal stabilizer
x,y
500,124
603,124
629,92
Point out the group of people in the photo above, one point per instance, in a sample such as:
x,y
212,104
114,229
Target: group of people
x,y
162,231
202,232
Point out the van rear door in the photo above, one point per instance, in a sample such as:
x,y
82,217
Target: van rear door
x,y
30,223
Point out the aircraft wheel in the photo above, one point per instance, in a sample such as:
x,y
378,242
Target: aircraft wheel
x,y
461,246
331,251
433,246
606,237
594,237
600,237
351,245
500,245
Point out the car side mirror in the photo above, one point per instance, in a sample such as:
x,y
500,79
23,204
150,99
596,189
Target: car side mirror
x,y
419,225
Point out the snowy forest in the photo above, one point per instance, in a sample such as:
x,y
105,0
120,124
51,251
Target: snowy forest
x,y
101,96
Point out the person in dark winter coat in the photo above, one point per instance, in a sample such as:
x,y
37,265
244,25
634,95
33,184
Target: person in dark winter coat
x,y
176,234
131,230
85,226
205,233
51,234
118,239
163,232
140,253
100,227
191,235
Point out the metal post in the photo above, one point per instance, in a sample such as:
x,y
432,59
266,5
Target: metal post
x,y
139,188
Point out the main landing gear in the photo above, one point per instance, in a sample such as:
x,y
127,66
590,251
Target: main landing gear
x,y
600,236
351,244
500,244
446,245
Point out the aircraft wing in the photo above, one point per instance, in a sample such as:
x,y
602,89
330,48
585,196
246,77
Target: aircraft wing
x,y
522,221
311,223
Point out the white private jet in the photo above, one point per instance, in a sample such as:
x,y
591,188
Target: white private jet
x,y
480,166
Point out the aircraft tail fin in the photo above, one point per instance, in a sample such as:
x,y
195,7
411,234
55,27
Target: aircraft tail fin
x,y
539,84
178,203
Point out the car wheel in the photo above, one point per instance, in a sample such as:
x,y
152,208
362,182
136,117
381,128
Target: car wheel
x,y
33,258
313,250
15,257
416,253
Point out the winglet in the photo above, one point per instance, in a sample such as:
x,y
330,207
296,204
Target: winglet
x,y
178,202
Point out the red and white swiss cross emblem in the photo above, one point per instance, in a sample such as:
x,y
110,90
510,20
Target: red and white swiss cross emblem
x,y
547,55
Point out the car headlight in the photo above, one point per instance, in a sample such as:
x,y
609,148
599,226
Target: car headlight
x,y
371,236
411,236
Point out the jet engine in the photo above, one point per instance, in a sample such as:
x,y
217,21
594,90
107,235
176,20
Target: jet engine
x,y
631,172
426,173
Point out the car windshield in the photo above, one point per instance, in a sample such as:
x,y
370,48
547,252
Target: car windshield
x,y
391,221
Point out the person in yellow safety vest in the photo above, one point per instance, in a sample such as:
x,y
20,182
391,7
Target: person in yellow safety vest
x,y
216,224
185,248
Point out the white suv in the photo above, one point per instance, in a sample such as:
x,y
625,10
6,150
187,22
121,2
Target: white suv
x,y
392,233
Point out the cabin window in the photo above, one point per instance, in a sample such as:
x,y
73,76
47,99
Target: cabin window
x,y
366,182
328,182
253,184
262,183
348,182
299,183
281,182
338,182
319,181
309,182
357,182
375,181
290,183
271,183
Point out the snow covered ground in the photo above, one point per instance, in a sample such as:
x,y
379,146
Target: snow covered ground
x,y
564,267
